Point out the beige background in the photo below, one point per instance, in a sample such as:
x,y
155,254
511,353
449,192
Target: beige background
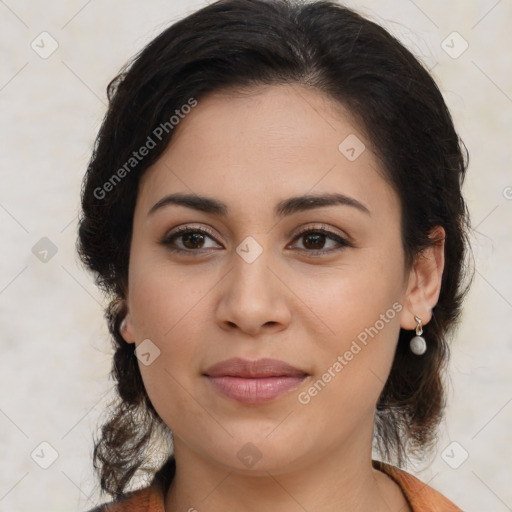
x,y
55,353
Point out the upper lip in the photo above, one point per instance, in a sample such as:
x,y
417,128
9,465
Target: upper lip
x,y
238,367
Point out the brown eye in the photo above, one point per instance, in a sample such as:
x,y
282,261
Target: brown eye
x,y
314,241
188,239
191,240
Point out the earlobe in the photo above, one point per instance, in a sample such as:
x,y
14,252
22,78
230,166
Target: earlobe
x,y
126,329
424,284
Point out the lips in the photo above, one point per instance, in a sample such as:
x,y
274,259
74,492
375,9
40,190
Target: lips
x,y
260,368
254,382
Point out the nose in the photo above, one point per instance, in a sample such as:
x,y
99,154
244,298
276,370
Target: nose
x,y
253,299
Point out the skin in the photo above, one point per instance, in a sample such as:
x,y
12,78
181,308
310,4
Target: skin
x,y
251,150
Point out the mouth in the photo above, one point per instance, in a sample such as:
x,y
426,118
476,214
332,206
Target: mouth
x,y
254,382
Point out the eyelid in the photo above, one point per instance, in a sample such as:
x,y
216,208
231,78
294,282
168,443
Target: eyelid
x,y
326,230
343,240
189,227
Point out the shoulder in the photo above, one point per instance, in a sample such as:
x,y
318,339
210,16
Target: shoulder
x,y
421,497
148,499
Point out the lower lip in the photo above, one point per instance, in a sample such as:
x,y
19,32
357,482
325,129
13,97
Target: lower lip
x,y
255,391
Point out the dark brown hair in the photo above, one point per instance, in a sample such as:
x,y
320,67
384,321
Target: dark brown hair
x,y
246,43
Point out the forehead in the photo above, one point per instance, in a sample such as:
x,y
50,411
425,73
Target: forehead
x,y
272,142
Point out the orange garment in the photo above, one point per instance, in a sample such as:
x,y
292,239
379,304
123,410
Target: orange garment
x,y
421,497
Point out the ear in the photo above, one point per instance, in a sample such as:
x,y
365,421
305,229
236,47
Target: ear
x,y
126,329
424,284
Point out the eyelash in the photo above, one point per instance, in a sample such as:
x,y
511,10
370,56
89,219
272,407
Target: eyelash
x,y
306,231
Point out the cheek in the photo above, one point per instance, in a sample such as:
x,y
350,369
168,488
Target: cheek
x,y
163,301
169,308
359,312
349,300
167,312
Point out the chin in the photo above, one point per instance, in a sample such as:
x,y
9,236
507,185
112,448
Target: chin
x,y
259,456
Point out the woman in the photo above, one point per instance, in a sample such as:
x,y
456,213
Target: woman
x,y
274,205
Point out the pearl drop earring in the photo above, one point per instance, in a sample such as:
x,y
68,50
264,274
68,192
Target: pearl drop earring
x,y
418,345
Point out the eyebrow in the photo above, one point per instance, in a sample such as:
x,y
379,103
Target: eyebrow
x,y
282,209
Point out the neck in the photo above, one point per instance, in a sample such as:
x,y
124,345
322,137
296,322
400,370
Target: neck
x,y
332,482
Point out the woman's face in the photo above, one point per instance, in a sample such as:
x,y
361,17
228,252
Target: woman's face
x,y
245,283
